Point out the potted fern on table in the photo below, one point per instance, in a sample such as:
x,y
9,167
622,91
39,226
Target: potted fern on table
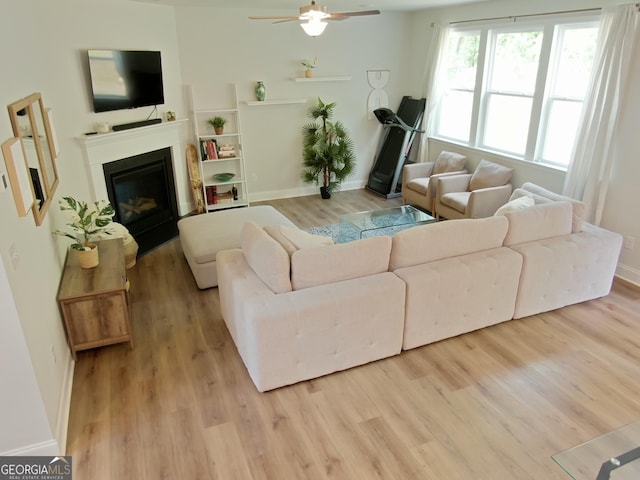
x,y
327,150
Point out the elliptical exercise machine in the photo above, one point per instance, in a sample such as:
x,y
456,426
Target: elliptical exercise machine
x,y
395,145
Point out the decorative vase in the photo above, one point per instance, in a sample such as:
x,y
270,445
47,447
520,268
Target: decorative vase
x,y
88,258
260,91
308,73
325,193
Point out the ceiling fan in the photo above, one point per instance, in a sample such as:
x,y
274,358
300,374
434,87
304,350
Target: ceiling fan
x,y
314,17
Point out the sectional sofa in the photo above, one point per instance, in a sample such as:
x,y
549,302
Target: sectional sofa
x,y
297,311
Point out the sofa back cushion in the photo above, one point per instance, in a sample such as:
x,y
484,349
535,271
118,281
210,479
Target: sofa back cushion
x,y
318,266
489,174
518,203
451,238
266,257
538,222
542,195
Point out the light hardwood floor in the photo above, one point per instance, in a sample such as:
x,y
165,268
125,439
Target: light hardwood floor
x,y
493,404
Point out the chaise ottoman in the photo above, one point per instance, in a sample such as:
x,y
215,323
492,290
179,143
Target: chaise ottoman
x,y
202,236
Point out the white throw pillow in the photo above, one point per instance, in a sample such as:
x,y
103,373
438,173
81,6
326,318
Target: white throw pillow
x,y
266,257
517,204
302,239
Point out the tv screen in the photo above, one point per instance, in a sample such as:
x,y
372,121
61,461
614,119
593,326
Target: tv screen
x,y
123,79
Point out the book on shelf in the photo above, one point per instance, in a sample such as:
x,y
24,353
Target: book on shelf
x,y
212,195
209,149
225,198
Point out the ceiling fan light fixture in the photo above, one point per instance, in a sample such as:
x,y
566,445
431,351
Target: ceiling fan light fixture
x,y
314,28
314,12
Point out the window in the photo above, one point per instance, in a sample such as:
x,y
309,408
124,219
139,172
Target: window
x,y
460,77
516,90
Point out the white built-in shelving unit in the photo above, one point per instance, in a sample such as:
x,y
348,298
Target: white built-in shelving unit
x,y
219,101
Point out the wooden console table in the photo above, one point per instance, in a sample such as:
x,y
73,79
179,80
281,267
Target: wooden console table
x,y
95,301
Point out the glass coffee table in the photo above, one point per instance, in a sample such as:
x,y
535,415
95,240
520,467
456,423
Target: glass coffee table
x,y
354,226
612,456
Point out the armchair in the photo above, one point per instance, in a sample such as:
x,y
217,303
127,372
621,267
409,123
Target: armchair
x,y
419,179
476,195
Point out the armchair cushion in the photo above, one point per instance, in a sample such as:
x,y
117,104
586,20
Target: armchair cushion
x,y
457,200
449,162
420,185
489,174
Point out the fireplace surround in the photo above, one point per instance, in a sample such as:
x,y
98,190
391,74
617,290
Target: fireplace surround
x,y
104,149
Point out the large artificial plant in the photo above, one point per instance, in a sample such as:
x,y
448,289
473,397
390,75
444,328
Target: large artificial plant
x,y
327,150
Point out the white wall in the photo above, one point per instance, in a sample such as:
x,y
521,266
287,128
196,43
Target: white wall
x,y
622,201
250,50
42,51
31,324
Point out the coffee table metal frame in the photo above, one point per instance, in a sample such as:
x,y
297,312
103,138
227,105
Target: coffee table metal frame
x,y
614,455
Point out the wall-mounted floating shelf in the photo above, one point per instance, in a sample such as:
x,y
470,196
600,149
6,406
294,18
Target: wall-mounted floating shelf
x,y
321,79
282,101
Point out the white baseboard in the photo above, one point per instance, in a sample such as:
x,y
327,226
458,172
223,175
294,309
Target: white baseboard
x,y
45,449
64,407
629,274
299,191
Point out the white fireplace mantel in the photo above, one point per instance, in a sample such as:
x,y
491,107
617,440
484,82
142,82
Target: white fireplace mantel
x,y
109,147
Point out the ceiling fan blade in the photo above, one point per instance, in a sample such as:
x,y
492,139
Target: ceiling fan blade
x,y
269,17
292,19
342,15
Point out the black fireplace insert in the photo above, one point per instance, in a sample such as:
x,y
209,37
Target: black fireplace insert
x,y
142,192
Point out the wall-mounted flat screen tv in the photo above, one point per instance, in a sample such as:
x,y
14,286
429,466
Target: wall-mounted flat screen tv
x,y
122,79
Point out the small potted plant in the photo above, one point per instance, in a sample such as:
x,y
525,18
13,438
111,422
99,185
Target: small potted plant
x,y
85,221
218,124
308,68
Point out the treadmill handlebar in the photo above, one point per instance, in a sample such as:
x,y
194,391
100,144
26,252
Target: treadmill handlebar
x,y
387,117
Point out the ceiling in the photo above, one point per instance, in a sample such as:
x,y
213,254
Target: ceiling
x,y
261,7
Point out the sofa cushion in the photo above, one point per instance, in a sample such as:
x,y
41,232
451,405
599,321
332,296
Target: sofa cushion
x,y
449,162
540,193
301,239
489,174
538,222
317,266
435,241
275,233
266,257
456,200
525,201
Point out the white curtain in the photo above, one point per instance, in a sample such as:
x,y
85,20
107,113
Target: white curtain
x,y
430,84
588,175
